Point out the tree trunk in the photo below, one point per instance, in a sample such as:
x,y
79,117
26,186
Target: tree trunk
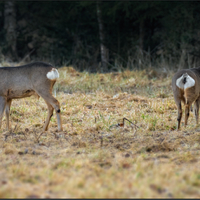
x,y
141,39
10,28
104,51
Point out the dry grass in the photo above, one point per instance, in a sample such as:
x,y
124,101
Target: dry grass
x,y
98,155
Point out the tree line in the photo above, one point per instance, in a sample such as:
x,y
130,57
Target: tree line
x,y
102,35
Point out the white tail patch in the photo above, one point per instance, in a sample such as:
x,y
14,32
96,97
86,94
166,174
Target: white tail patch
x,y
53,74
185,81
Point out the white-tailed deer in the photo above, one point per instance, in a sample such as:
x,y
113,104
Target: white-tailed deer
x,y
36,78
186,88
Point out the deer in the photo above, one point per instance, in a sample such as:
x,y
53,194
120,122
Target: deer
x,y
38,79
186,89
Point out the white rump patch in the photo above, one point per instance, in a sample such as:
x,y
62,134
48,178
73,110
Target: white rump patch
x,y
189,81
53,74
179,82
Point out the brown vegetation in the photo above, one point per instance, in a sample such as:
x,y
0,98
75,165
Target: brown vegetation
x,y
118,141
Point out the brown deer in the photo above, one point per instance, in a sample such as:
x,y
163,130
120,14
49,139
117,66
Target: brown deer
x,y
37,79
186,88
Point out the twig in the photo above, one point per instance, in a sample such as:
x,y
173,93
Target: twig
x,y
122,124
24,136
37,137
101,137
130,122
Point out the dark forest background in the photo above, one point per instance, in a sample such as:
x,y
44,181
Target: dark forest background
x,y
102,35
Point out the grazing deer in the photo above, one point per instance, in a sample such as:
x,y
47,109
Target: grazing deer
x,y
36,78
186,88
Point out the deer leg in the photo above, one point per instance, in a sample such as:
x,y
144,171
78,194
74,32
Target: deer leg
x,y
50,114
191,109
196,110
179,114
55,104
8,104
2,108
187,112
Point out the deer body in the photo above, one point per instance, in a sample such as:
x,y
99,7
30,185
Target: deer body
x,y
37,79
186,89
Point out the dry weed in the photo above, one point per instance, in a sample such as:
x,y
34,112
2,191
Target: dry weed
x,y
119,141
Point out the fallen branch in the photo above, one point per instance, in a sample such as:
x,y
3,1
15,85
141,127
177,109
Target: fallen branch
x,y
130,122
122,124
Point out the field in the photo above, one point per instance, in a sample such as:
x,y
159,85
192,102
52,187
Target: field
x,y
119,141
